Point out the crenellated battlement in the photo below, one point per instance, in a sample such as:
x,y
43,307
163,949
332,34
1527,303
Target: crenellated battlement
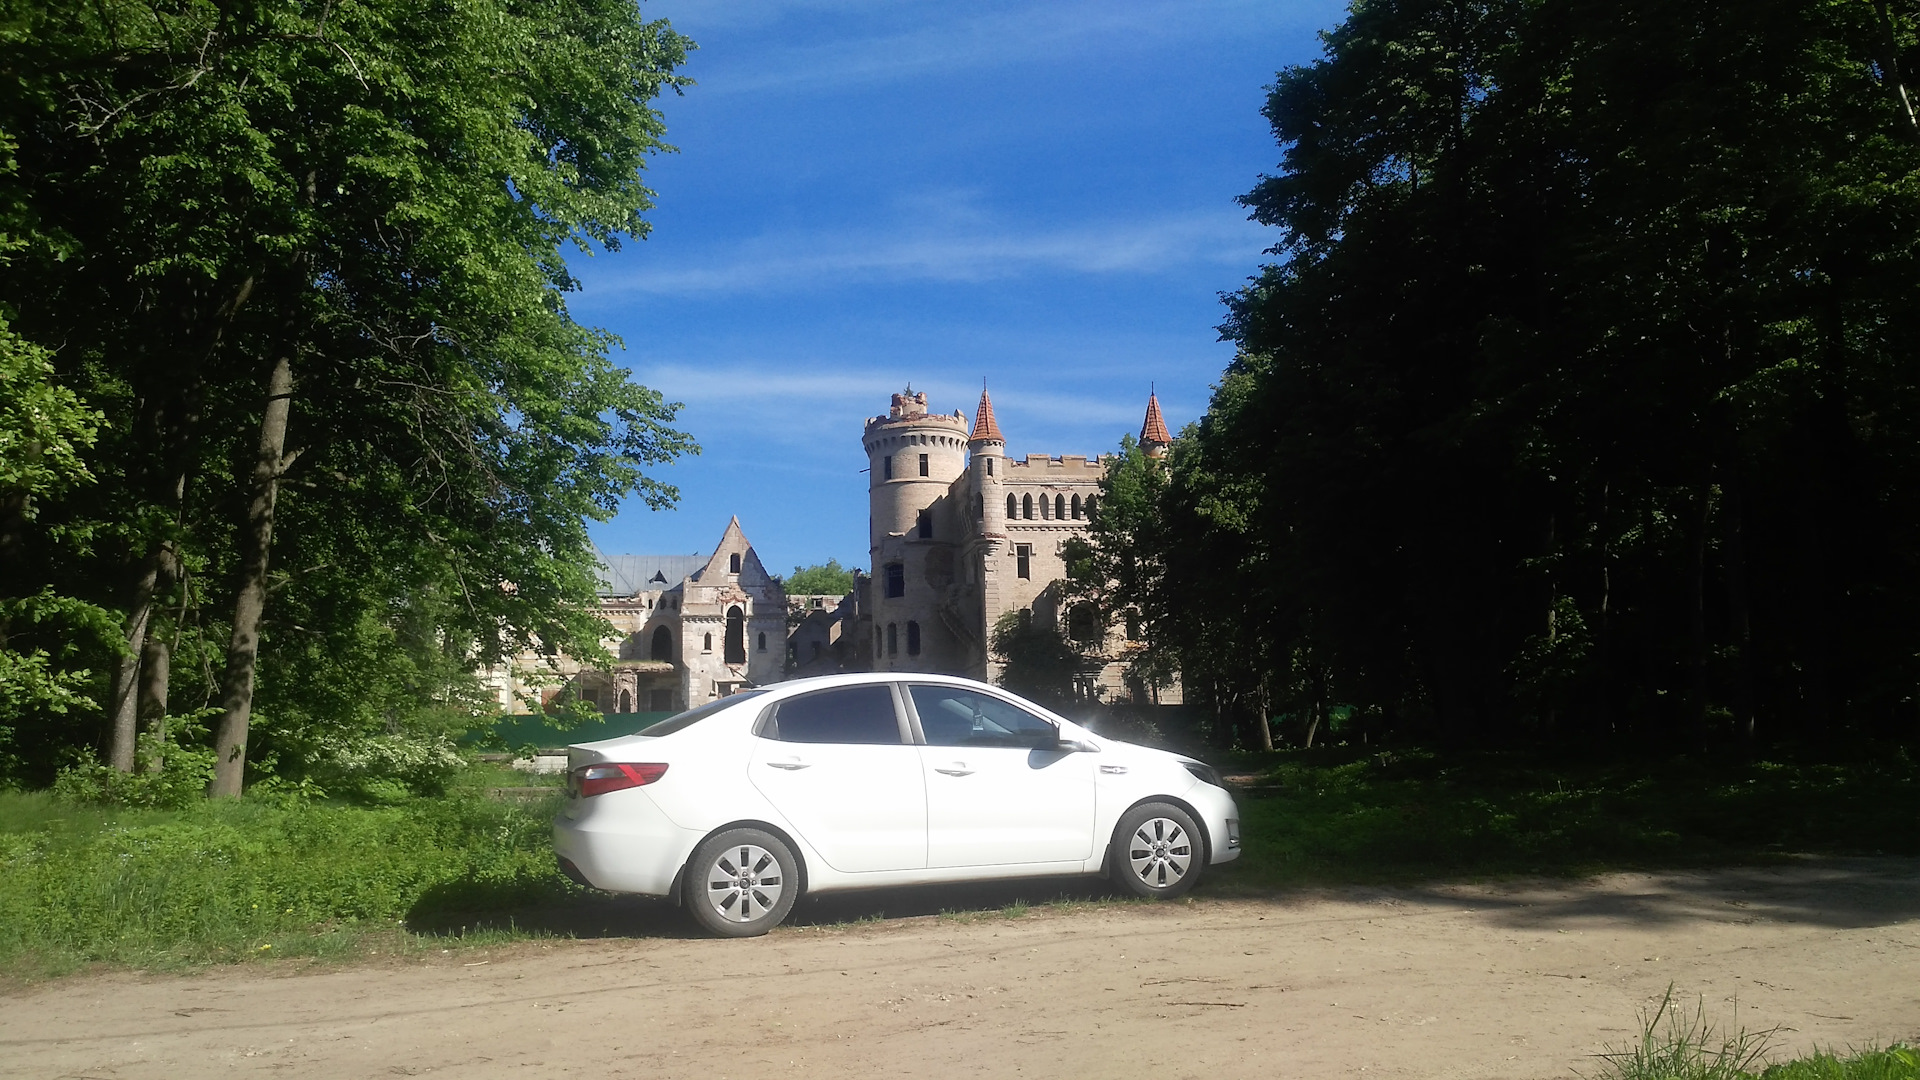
x,y
1066,466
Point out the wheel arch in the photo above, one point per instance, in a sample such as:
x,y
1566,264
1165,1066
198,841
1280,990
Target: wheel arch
x,y
799,857
1199,821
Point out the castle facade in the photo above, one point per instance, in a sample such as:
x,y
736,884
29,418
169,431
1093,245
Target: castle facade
x,y
961,536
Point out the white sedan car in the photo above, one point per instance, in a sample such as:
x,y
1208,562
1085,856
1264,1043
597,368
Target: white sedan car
x,y
856,781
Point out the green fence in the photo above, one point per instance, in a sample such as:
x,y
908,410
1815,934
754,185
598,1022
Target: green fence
x,y
534,729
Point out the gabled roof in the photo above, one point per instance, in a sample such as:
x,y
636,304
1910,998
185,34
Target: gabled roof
x,y
626,575
984,427
1154,429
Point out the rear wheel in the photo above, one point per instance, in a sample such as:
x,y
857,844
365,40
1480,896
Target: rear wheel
x,y
1157,851
741,882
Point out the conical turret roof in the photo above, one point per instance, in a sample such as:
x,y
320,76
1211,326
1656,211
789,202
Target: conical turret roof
x,y
984,427
1153,432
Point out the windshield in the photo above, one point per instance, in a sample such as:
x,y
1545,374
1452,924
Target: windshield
x,y
693,716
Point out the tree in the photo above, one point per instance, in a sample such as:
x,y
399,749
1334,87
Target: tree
x,y
821,579
1574,404
321,297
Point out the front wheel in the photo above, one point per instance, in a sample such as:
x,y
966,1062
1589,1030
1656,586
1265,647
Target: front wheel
x,y
1157,851
741,883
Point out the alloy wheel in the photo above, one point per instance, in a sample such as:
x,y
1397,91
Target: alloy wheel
x,y
1160,852
744,883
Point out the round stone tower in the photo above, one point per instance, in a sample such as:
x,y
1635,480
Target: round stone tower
x,y
914,457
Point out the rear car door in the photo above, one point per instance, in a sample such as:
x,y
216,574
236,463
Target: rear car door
x,y
839,765
998,791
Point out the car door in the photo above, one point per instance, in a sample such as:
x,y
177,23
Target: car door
x,y
840,766
998,792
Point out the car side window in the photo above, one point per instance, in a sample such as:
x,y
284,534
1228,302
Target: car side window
x,y
956,716
854,714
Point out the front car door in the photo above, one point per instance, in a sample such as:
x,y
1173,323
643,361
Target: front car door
x,y
839,765
998,791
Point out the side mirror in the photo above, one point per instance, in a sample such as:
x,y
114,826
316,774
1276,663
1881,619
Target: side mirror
x,y
1075,746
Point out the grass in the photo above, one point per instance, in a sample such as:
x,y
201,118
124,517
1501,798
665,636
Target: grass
x,y
228,881
1676,1044
259,878
1342,815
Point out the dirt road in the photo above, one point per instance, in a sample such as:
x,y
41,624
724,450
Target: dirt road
x,y
1518,980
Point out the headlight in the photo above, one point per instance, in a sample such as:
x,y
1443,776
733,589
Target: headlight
x,y
1204,773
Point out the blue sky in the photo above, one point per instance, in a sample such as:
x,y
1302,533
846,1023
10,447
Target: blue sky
x,y
868,194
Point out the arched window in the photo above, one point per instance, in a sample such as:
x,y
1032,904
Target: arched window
x,y
980,508
1026,507
1089,508
763,642
876,643
913,639
736,651
706,643
626,702
1060,507
1076,508
1013,507
1083,623
893,640
1046,510
662,648
733,563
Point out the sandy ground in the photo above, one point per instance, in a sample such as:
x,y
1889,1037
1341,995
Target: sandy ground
x,y
1519,980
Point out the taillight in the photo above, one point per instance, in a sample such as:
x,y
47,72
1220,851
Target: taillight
x,y
591,780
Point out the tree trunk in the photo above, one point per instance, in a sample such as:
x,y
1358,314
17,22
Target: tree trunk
x,y
1890,75
1266,721
124,694
156,669
1739,613
250,599
1313,722
1696,718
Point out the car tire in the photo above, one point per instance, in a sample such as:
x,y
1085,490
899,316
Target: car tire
x,y
741,882
1158,851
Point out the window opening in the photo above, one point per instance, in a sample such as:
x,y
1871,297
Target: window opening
x,y
662,648
626,701
1076,508
763,643
913,639
1026,507
886,467
926,524
1023,560
1060,507
989,466
893,640
923,464
706,643
733,563
736,651
896,581
1013,507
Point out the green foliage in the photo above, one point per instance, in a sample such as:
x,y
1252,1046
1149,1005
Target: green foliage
x,y
820,579
1341,814
1037,661
1578,403
379,191
219,881
1679,1045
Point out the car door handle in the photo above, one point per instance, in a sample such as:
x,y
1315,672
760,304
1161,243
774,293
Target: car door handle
x,y
1114,770
788,765
958,768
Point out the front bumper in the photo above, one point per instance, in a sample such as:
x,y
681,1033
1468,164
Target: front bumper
x,y
1221,818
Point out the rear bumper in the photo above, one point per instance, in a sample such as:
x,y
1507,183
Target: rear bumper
x,y
621,842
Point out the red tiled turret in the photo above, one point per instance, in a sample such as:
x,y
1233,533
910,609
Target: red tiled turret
x,y
984,428
1153,432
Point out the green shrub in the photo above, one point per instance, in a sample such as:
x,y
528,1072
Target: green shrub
x,y
1679,1045
218,880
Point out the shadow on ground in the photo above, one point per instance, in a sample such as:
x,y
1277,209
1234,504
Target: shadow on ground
x,y
465,908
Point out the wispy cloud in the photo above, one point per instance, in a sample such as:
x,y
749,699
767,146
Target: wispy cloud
x,y
953,252
844,42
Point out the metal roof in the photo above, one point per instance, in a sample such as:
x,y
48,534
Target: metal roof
x,y
625,575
